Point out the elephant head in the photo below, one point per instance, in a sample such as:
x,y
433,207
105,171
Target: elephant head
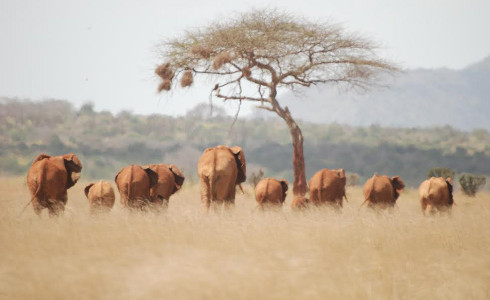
x,y
449,182
284,185
178,176
398,185
73,168
241,163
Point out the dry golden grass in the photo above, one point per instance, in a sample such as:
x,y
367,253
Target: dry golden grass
x,y
245,254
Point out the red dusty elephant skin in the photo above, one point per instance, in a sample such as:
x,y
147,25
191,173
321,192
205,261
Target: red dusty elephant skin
x,y
436,194
328,187
299,203
170,180
381,191
219,170
270,193
100,196
48,180
134,183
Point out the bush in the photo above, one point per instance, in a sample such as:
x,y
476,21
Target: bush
x,y
441,172
255,178
352,179
471,183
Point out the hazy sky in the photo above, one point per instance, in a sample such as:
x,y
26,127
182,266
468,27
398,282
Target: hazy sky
x,y
104,51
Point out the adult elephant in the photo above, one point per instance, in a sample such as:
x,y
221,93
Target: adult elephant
x,y
381,191
271,193
170,180
219,170
328,187
436,194
48,180
100,196
134,183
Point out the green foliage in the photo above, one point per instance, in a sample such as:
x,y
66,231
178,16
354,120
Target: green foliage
x,y
352,179
441,172
471,183
105,143
254,179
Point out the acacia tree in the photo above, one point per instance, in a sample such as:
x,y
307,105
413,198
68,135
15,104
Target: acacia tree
x,y
258,53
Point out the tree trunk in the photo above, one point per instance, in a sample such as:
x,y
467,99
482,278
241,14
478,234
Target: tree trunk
x,y
299,186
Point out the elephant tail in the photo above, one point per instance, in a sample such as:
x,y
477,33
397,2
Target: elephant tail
x,y
36,193
130,181
212,187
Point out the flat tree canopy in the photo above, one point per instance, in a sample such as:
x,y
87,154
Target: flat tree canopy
x,y
259,52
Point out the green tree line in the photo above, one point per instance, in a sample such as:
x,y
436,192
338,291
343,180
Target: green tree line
x,y
106,142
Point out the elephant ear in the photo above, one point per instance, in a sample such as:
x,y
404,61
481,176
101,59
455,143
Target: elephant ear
x,y
284,185
449,183
40,157
178,177
241,163
152,175
73,168
87,189
398,185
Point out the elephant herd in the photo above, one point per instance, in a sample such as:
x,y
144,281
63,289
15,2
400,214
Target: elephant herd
x,y
220,169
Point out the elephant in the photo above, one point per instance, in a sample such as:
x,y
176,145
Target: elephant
x,y
328,187
100,196
49,178
134,183
299,203
170,180
271,193
219,170
381,191
436,194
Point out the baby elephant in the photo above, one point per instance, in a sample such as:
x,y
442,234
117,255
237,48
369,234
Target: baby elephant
x,y
299,203
100,196
271,193
436,194
381,191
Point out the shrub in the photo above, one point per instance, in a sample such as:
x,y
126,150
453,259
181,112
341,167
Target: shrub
x,y
441,172
255,178
471,183
352,179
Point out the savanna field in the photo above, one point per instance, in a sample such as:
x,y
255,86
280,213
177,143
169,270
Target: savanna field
x,y
245,254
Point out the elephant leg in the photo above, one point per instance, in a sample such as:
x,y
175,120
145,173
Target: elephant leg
x,y
314,197
57,206
424,206
165,204
56,209
230,199
205,193
37,206
323,196
431,209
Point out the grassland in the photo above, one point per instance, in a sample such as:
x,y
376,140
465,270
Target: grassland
x,y
185,254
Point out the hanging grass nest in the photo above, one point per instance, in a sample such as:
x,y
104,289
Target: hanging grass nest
x,y
246,72
201,51
165,85
164,71
187,79
221,59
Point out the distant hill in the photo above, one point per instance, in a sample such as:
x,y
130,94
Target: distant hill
x,y
416,98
